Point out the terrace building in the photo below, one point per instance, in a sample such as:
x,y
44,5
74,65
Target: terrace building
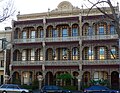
x,y
65,40
5,55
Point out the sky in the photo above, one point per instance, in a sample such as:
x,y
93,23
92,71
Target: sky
x,y
39,6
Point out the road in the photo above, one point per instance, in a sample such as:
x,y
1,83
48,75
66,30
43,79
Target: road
x,y
37,91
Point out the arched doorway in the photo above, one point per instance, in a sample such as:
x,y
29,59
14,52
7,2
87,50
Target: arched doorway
x,y
16,78
115,79
86,78
49,79
75,80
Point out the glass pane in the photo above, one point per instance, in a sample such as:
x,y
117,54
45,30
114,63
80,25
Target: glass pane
x,y
112,30
75,32
54,33
33,34
64,32
24,34
90,31
101,30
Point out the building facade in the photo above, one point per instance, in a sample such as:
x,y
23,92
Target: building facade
x,y
65,41
5,54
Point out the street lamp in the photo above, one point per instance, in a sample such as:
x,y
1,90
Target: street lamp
x,y
40,78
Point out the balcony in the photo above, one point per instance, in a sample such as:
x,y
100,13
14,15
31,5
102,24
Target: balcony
x,y
46,63
28,63
100,37
61,39
66,62
62,63
101,62
29,40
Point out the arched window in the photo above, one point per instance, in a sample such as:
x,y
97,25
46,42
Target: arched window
x,y
90,53
113,53
64,32
102,53
74,31
112,30
75,53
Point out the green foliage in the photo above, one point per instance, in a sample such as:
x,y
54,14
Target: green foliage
x,y
99,82
35,84
66,76
16,81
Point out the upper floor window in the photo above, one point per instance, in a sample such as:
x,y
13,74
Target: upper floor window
x,y
113,53
39,54
41,33
2,63
24,35
101,30
32,56
75,53
24,55
32,34
64,51
75,32
54,33
90,31
64,32
90,54
101,53
112,30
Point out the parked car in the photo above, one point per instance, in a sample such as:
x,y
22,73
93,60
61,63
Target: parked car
x,y
54,89
99,89
13,88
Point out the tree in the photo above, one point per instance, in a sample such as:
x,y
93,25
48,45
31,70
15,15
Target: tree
x,y
6,9
115,17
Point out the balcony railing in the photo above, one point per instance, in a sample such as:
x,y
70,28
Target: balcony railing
x,y
66,62
28,40
62,63
100,62
61,39
47,63
28,63
100,37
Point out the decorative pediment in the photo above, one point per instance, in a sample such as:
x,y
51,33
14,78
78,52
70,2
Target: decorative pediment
x,y
64,6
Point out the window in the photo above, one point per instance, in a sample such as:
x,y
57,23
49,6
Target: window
x,y
32,54
64,32
90,54
2,63
101,53
75,53
41,34
54,33
24,35
64,51
101,30
32,34
75,32
24,55
90,31
112,30
113,53
40,54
